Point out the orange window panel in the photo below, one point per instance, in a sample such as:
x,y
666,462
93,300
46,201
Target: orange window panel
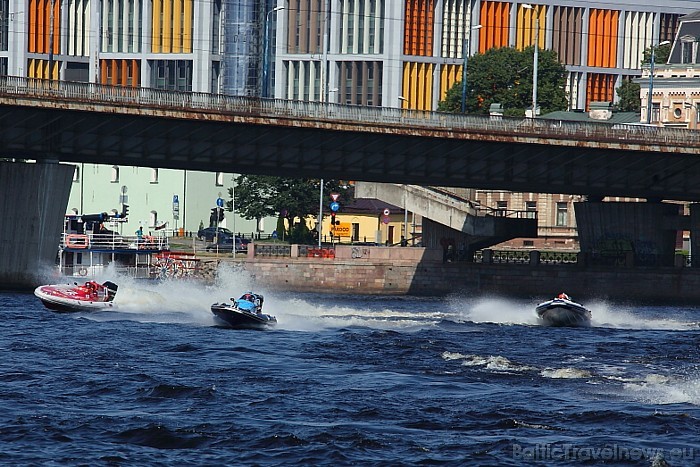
x,y
31,45
418,85
56,28
135,73
495,21
177,26
187,27
418,28
603,38
103,71
601,88
167,39
449,75
41,26
156,27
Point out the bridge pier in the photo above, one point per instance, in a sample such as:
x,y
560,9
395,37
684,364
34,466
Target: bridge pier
x,y
629,234
33,200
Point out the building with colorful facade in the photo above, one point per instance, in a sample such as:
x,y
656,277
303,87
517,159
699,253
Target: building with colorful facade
x,y
366,52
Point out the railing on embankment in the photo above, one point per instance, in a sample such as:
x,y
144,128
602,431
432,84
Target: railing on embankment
x,y
486,256
419,271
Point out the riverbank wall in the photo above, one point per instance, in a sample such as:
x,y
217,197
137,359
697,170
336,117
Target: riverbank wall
x,y
424,273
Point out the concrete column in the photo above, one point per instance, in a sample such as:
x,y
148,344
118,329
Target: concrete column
x,y
33,203
695,234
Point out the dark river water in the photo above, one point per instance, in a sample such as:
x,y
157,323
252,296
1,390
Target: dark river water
x,y
345,380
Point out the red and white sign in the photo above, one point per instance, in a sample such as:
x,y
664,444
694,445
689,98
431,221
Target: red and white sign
x,y
387,212
335,196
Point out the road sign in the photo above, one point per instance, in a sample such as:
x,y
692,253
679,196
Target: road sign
x,y
386,212
220,202
335,206
335,196
176,208
386,219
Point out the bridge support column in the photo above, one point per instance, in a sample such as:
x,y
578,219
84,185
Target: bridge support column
x,y
33,201
628,234
695,235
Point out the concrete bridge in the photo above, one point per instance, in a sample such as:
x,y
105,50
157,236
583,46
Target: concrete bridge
x,y
52,121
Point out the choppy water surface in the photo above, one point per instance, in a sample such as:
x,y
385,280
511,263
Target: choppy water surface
x,y
345,380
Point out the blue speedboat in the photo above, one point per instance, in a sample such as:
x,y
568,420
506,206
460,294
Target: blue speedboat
x,y
244,313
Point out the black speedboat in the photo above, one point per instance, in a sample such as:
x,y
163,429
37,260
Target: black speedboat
x,y
562,311
244,313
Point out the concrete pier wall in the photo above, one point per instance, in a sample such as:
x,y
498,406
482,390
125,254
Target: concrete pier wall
x,y
33,200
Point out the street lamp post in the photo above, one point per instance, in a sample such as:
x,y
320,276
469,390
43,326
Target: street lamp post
x,y
266,51
651,78
535,58
465,54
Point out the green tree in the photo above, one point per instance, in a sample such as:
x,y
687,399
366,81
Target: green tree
x,y
290,199
660,55
504,76
628,92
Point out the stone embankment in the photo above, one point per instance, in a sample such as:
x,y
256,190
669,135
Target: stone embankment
x,y
417,271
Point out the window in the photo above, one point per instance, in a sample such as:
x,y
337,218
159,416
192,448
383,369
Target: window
x,y
697,113
562,210
501,207
655,112
115,174
687,47
153,219
219,179
531,208
355,232
154,175
76,174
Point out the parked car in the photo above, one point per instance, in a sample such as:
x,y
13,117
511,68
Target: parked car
x,y
225,244
209,233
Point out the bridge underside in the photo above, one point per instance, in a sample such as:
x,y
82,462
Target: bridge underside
x,y
327,149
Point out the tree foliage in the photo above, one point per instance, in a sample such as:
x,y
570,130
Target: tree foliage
x,y
504,76
290,199
661,55
628,92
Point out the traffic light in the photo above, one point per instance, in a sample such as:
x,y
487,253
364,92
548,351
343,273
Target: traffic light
x,y
221,214
333,221
125,211
213,218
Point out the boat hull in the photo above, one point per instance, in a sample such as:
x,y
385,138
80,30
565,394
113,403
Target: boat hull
x,y
240,319
64,299
563,313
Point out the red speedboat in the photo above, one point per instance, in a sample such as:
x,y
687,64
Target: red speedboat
x,y
90,296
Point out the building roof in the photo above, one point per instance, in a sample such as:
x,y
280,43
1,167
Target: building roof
x,y
617,117
370,206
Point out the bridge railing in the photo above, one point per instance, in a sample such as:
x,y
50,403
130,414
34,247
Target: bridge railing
x,y
372,115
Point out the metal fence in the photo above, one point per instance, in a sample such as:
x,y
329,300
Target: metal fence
x,y
680,140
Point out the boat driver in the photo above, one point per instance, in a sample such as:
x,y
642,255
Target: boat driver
x,y
563,296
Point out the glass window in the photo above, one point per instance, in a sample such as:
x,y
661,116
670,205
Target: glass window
x,y
562,211
76,174
531,208
655,112
687,51
153,220
115,174
154,175
219,179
